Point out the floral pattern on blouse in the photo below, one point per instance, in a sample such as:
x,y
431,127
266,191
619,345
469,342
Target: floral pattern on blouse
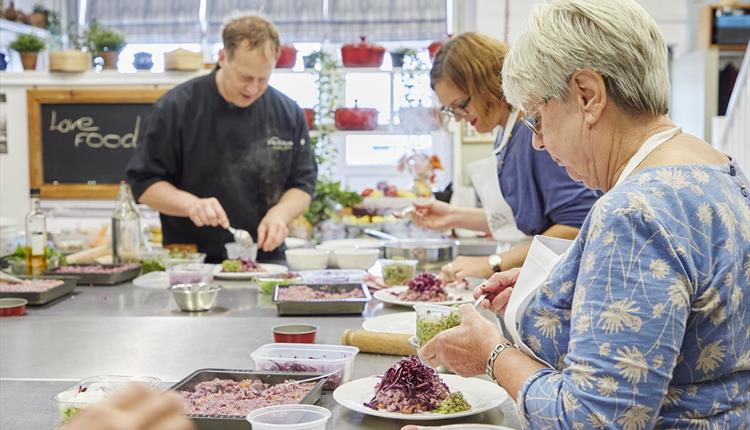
x,y
647,318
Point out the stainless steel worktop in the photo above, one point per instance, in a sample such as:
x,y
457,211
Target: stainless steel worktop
x,y
128,330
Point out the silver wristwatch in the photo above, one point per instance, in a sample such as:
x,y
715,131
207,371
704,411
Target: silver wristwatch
x,y
500,347
496,262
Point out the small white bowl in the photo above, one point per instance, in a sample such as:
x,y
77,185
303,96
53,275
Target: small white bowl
x,y
356,258
306,258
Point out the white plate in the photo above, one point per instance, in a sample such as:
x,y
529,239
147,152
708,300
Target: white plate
x,y
268,269
390,295
482,395
402,322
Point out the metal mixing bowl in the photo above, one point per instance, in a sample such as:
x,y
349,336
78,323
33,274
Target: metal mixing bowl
x,y
195,297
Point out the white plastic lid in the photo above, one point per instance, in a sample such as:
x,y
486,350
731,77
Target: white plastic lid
x,y
289,417
305,352
422,308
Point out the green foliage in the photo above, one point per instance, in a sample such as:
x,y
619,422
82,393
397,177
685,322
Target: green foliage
x,y
28,43
329,197
100,39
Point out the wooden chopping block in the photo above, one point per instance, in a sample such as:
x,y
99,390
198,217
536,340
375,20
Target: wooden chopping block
x,y
89,255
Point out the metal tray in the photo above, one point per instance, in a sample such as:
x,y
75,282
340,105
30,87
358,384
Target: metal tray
x,y
323,307
69,284
223,422
100,278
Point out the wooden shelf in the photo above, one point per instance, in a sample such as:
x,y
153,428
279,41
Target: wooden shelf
x,y
706,27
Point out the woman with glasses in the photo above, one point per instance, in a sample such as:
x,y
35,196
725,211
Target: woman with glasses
x,y
644,320
523,191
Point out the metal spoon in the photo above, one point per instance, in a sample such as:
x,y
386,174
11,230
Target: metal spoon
x,y
241,236
326,375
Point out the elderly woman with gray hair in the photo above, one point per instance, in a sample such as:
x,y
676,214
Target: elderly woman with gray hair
x,y
644,320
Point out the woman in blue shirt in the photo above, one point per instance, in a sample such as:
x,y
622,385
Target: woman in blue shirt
x,y
523,191
645,320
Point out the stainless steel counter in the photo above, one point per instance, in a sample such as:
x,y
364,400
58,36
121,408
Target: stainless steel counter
x,y
128,330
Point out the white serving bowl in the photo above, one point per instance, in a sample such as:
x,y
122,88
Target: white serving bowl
x,y
333,245
307,258
356,258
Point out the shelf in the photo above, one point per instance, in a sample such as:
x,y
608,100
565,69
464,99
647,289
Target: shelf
x,y
737,48
706,28
19,28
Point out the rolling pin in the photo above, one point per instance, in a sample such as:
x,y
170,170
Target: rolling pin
x,y
378,343
89,255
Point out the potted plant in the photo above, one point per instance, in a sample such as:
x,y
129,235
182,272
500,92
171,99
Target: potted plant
x,y
398,56
28,45
40,16
105,43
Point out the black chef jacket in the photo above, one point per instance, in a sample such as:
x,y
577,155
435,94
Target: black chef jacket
x,y
245,157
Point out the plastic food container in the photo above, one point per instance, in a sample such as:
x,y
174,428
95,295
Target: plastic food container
x,y
398,272
191,274
188,258
94,389
297,357
294,333
235,251
266,283
289,417
432,319
12,307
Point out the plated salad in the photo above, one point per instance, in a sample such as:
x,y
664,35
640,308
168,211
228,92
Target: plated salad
x,y
411,387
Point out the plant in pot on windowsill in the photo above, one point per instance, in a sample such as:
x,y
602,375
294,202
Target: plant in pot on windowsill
x,y
105,43
28,45
398,57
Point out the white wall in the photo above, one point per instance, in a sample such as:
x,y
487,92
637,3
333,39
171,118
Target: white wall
x,y
488,16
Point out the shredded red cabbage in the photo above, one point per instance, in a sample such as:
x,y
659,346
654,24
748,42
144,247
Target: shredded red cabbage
x,y
418,383
426,282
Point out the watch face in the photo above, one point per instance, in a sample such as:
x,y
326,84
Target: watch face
x,y
495,261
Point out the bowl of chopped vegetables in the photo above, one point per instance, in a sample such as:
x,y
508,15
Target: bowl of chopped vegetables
x,y
398,272
267,283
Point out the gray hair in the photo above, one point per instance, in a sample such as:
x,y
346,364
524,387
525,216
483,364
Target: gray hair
x,y
616,38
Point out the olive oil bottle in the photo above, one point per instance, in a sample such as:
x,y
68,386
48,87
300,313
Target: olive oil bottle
x,y
36,237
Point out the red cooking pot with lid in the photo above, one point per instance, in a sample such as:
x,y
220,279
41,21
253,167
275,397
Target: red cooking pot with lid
x,y
287,57
362,54
356,118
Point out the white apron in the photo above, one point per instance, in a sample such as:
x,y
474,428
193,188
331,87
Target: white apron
x,y
485,175
546,252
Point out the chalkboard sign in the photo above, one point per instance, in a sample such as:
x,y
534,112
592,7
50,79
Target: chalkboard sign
x,y
80,141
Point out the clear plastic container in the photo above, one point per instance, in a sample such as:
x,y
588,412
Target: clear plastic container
x,y
185,258
302,357
191,274
94,389
237,251
398,272
432,319
333,276
289,417
267,283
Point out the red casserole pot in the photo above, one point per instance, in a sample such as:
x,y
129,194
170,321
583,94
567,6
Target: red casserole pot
x,y
12,307
362,54
356,118
309,117
287,58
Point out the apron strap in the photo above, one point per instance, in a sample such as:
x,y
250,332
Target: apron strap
x,y
646,148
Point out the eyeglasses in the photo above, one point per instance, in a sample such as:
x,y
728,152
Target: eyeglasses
x,y
457,112
533,118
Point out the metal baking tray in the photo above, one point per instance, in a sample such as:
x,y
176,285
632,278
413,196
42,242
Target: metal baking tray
x,y
69,284
100,278
323,307
224,422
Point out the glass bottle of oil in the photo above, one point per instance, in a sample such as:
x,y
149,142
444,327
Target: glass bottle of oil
x,y
36,237
126,228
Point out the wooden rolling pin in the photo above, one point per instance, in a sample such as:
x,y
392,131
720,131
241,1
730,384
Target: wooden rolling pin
x,y
89,255
378,343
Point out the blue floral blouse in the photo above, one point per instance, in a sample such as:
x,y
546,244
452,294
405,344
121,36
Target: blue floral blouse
x,y
647,318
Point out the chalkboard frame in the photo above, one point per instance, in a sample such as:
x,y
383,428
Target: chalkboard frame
x,y
38,97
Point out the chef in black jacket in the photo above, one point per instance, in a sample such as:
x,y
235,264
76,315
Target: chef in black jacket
x,y
225,148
